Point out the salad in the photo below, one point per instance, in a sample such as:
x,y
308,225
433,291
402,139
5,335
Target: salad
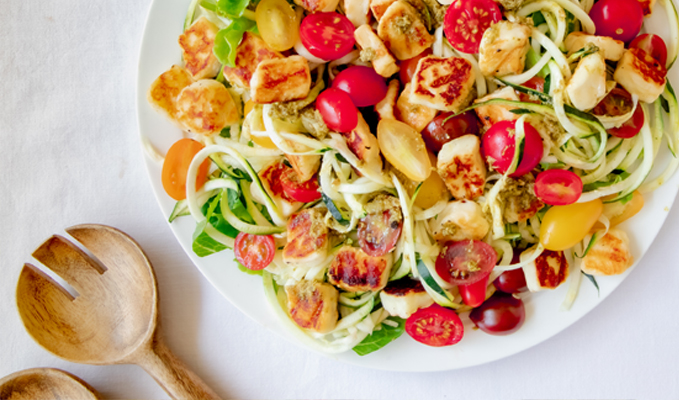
x,y
399,166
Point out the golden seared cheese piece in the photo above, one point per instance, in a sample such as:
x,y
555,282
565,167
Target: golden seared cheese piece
x,y
271,180
445,84
489,115
163,93
364,144
610,255
385,108
307,238
374,49
197,43
461,167
403,31
355,271
379,7
641,75
283,79
357,11
503,49
647,6
587,86
610,48
548,271
403,297
304,165
314,6
413,114
519,199
313,305
250,52
460,220
206,107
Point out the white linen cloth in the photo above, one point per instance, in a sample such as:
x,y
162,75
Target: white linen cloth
x,y
70,154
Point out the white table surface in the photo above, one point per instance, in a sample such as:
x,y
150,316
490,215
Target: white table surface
x,y
69,154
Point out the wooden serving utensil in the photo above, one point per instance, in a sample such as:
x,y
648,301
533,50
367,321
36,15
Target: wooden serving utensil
x,y
115,317
45,384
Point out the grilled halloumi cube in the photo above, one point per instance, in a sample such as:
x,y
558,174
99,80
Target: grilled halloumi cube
x,y
489,115
416,115
357,11
197,43
403,31
250,52
163,93
647,7
383,62
314,6
403,297
385,108
206,107
305,166
379,7
461,167
313,305
503,49
610,48
355,271
587,86
445,84
460,220
307,238
364,144
610,255
519,199
641,75
548,271
270,176
279,80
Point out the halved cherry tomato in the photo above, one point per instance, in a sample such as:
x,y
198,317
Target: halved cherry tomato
x,y
619,19
277,23
631,127
443,129
558,187
564,226
176,167
304,192
501,314
435,326
467,20
617,102
536,83
327,35
404,148
255,252
474,294
465,262
653,45
379,232
498,144
337,110
409,66
362,84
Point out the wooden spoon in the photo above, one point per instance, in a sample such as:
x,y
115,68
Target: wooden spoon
x,y
114,319
45,384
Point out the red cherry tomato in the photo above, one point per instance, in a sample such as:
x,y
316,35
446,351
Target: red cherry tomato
x,y
631,127
513,281
501,314
558,187
176,168
304,192
327,35
435,326
617,102
536,83
272,175
467,20
255,252
498,144
619,19
443,129
465,262
409,66
474,294
362,84
337,110
651,44
376,235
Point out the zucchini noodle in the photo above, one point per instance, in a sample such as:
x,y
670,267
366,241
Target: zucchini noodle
x,y
558,32
408,228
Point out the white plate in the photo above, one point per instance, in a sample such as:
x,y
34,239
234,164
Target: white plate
x,y
160,50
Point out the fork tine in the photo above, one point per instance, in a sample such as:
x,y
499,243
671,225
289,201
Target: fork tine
x,y
69,262
33,281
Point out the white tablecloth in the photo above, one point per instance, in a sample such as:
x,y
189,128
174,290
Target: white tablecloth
x,y
70,154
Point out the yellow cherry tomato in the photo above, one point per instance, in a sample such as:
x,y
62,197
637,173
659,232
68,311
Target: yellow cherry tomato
x,y
564,226
247,107
264,141
433,188
404,148
618,213
277,23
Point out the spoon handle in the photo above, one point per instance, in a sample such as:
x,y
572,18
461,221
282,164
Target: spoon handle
x,y
172,374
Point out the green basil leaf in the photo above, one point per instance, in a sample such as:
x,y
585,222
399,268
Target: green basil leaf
x,y
203,244
381,338
232,8
228,39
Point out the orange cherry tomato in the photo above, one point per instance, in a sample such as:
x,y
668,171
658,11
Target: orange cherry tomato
x,y
176,168
564,226
618,213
